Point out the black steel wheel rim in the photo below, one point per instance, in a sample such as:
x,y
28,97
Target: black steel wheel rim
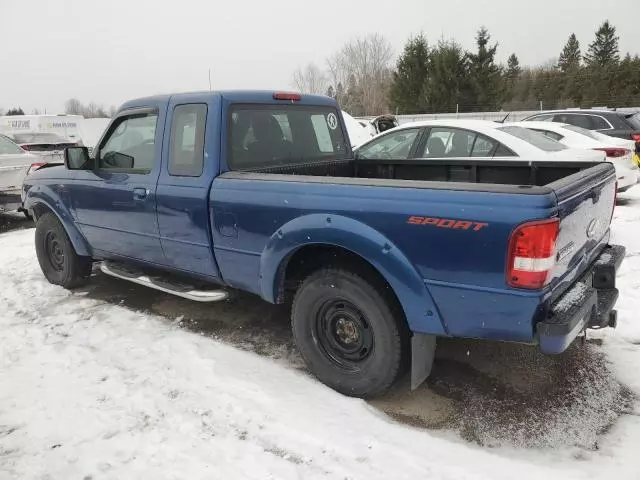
x,y
55,252
343,334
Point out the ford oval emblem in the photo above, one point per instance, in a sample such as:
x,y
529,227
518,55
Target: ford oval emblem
x,y
593,227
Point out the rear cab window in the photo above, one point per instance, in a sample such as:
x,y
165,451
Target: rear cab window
x,y
262,136
534,138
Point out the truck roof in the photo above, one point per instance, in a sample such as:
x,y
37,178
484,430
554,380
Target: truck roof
x,y
239,96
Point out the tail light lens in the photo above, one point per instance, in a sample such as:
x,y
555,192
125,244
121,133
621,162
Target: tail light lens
x,y
35,166
614,152
531,255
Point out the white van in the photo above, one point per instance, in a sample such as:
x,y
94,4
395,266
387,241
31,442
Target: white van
x,y
66,126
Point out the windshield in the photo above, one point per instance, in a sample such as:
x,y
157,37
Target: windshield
x,y
582,131
536,139
634,120
267,136
7,147
38,138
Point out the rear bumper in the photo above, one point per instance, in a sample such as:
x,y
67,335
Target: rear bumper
x,y
588,303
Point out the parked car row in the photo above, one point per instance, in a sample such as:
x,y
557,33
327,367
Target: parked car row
x,y
481,139
609,122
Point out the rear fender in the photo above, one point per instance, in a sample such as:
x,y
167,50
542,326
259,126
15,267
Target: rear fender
x,y
43,196
369,244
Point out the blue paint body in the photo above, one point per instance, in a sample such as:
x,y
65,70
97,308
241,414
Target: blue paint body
x,y
241,232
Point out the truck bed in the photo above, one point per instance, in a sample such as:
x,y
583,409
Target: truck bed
x,y
498,172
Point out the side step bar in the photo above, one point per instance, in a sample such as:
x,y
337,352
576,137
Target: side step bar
x,y
163,284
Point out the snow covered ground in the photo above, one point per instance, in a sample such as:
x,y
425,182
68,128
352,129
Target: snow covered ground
x,y
92,390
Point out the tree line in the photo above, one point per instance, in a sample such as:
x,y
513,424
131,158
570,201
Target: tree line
x,y
73,106
445,77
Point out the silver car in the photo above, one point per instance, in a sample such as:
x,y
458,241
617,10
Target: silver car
x,y
48,146
15,163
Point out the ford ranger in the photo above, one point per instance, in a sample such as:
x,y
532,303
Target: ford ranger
x,y
198,194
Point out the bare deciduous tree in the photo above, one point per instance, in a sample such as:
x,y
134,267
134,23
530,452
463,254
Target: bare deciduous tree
x,y
364,64
73,106
310,79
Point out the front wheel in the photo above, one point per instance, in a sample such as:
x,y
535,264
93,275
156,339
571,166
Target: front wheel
x,y
350,332
58,259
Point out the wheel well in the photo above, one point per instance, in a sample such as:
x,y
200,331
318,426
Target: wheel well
x,y
306,260
40,209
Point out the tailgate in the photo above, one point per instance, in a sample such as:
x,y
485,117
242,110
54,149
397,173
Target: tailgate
x,y
585,206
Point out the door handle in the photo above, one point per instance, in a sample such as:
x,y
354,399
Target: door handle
x,y
140,193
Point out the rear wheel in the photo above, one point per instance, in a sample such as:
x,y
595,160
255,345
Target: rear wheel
x,y
58,259
350,332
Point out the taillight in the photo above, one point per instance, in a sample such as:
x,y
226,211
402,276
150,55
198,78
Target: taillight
x,y
531,254
35,166
294,97
614,152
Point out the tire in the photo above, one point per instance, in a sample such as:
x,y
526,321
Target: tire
x,y
350,332
58,259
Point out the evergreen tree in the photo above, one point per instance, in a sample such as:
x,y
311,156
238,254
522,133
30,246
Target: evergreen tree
x,y
331,92
486,76
511,76
407,93
513,67
604,50
627,82
448,83
15,111
569,59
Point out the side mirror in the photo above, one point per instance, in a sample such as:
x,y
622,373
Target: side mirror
x,y
77,158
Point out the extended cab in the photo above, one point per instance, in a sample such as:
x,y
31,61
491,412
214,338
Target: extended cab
x,y
196,194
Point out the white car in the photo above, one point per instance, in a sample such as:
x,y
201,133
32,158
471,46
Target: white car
x,y
466,139
15,164
358,133
618,150
48,146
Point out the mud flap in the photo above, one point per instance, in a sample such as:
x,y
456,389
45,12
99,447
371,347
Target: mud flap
x,y
423,349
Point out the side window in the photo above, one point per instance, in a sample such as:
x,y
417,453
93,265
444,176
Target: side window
x,y
483,147
130,145
392,146
503,151
573,119
599,123
448,142
186,145
540,118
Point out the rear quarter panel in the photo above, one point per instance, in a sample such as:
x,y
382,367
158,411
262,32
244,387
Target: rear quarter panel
x,y
450,281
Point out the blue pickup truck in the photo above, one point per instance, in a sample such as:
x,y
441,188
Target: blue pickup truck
x,y
198,194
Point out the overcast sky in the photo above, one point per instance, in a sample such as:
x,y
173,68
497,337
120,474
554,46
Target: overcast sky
x,y
113,50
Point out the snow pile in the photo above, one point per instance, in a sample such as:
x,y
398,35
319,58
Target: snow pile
x,y
93,390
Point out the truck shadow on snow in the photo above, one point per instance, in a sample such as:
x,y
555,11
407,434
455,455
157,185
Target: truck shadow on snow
x,y
490,393
12,221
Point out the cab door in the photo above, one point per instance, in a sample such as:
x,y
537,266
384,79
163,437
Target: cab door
x,y
115,204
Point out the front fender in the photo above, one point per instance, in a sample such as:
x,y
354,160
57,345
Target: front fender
x,y
44,195
335,230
